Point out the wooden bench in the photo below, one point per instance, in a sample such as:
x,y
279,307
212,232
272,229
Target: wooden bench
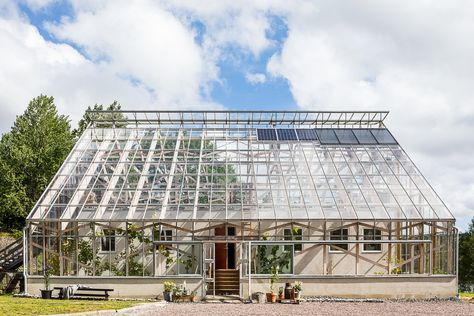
x,y
105,295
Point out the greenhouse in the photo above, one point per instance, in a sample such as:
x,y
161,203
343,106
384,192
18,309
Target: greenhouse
x,y
224,201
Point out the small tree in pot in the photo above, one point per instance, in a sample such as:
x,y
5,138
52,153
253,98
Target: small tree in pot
x,y
273,280
46,293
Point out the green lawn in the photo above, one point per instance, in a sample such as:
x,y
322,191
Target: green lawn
x,y
467,294
10,305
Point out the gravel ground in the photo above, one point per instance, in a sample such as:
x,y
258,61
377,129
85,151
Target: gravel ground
x,y
450,308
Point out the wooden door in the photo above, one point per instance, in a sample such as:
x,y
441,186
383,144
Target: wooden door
x,y
221,249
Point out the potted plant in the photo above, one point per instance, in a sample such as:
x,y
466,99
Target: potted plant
x,y
298,288
46,293
273,280
281,295
193,297
169,287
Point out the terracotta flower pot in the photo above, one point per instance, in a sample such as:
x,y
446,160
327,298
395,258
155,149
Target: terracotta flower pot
x,y
269,297
281,296
273,297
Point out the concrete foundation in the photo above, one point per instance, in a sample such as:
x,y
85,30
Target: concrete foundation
x,y
420,287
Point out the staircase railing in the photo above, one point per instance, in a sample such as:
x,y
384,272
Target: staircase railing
x,y
11,257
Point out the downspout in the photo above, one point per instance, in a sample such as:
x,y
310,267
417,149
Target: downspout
x,y
25,258
456,230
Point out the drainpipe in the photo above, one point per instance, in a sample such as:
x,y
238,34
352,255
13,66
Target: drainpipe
x,y
25,258
456,230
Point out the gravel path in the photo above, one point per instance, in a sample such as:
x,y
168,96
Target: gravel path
x,y
324,308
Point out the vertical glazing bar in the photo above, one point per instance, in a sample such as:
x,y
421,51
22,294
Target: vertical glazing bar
x,y
249,254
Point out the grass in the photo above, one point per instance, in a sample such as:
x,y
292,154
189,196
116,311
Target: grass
x,y
467,294
10,305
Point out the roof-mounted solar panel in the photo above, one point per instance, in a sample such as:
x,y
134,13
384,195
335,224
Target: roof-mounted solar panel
x,y
286,134
383,136
346,136
327,136
266,134
306,134
364,136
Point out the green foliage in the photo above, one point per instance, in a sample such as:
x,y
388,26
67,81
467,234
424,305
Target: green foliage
x,y
275,277
165,251
169,286
30,155
188,262
298,286
89,117
466,258
272,257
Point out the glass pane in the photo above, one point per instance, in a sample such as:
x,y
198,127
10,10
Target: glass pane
x,y
364,136
346,136
383,136
327,136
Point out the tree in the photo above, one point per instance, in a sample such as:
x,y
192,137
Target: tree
x,y
30,155
466,257
88,117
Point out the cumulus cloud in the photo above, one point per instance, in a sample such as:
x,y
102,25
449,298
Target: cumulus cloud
x,y
143,57
413,59
384,56
255,78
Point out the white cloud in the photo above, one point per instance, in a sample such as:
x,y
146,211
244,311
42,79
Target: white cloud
x,y
255,78
143,57
359,56
413,59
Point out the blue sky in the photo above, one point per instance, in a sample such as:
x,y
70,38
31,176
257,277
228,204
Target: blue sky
x,y
233,91
258,55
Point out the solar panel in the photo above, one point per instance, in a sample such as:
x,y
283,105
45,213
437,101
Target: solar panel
x,y
383,136
266,134
286,134
346,136
306,134
364,136
327,136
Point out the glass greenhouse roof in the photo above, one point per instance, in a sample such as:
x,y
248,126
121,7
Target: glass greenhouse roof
x,y
231,166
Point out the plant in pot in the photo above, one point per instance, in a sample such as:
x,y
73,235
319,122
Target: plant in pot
x,y
298,288
169,287
193,297
46,293
281,295
273,280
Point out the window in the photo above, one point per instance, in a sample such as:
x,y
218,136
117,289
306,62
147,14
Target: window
x,y
372,234
294,234
264,257
339,234
162,234
108,240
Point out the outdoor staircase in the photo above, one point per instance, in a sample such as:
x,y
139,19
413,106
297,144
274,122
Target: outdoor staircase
x,y
226,282
11,259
